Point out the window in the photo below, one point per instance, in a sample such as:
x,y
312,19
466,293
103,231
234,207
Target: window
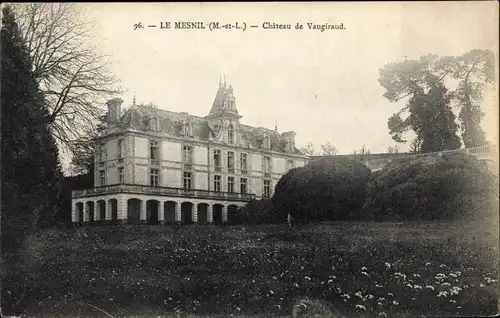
x,y
121,175
120,148
154,177
243,162
230,161
217,185
187,154
102,152
217,159
230,184
290,164
267,189
154,150
243,185
266,164
187,180
154,124
230,134
102,177
267,142
186,129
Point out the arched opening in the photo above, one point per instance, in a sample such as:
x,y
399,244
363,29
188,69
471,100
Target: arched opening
x,y
134,211
101,209
113,210
169,209
203,213
79,212
232,214
217,213
152,211
90,211
187,212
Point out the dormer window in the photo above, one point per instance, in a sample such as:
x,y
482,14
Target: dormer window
x,y
187,129
154,123
230,134
267,142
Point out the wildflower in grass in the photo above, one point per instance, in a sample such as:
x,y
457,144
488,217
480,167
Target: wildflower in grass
x,y
416,275
481,285
443,293
380,304
395,303
361,307
378,286
388,265
370,297
453,275
271,292
446,284
346,296
409,285
358,294
453,301
381,299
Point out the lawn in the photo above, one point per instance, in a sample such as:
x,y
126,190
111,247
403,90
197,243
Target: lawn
x,y
362,269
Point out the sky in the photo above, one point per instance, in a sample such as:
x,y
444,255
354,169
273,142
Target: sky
x,y
322,85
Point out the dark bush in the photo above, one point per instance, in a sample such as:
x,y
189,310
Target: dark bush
x,y
431,188
331,188
258,212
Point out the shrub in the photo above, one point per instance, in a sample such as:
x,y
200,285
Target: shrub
x,y
430,188
330,188
258,212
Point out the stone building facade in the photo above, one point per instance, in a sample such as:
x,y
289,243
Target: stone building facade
x,y
156,166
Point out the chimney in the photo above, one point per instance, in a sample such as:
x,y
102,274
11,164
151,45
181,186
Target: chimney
x,y
114,110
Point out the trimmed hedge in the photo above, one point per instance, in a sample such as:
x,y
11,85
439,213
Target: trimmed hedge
x,y
331,188
431,188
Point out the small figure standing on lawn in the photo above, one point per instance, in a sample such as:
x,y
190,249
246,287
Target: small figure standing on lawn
x,y
289,220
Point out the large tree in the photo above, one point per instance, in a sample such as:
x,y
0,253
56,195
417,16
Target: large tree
x,y
71,72
412,78
473,70
30,169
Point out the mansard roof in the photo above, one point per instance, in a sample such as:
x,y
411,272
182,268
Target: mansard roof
x,y
171,123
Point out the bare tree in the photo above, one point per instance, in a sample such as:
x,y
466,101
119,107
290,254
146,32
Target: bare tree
x,y
308,150
72,74
329,149
415,145
361,153
391,149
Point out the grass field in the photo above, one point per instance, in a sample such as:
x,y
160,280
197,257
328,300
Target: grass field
x,y
363,269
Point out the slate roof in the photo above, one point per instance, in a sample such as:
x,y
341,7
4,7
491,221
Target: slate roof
x,y
171,123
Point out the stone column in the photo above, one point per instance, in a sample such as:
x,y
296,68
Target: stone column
x,y
161,212
86,212
178,216
109,210
194,215
122,208
210,213
97,210
143,212
74,215
224,214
